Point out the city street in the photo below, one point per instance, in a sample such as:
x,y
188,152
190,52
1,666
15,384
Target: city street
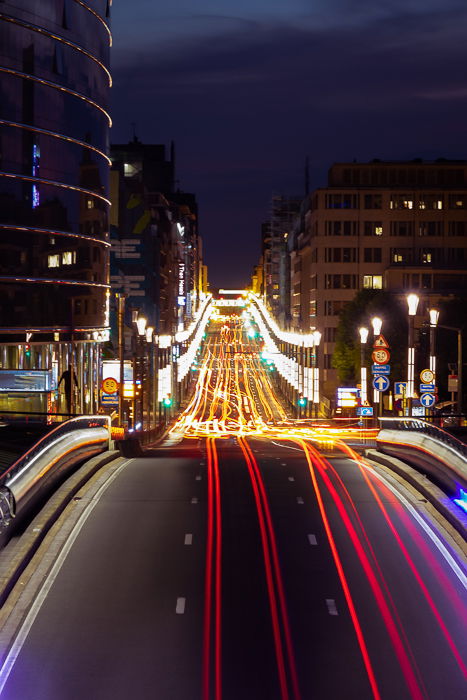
x,y
242,560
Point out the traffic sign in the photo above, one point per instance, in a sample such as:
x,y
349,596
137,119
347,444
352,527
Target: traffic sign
x,y
109,385
380,383
400,388
427,376
381,342
381,369
427,388
380,356
428,400
365,411
109,399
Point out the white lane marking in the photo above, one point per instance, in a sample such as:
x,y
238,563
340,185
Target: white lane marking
x,y
299,500
194,499
180,607
312,539
439,544
291,478
287,447
188,538
331,603
49,581
283,464
198,477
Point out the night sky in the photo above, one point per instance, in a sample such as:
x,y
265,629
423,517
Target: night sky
x,y
248,89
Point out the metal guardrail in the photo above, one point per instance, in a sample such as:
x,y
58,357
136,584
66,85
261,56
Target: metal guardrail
x,y
49,459
428,448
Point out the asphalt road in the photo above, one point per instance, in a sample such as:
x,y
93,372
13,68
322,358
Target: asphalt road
x,y
207,571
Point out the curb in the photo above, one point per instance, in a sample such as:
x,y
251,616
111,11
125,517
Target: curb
x,y
441,503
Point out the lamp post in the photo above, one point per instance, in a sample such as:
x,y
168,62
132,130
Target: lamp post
x,y
149,339
434,317
316,398
363,375
412,302
141,334
377,324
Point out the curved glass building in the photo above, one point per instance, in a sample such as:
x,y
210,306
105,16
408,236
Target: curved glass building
x,y
54,205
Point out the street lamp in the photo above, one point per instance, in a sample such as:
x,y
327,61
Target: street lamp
x,y
377,324
316,342
434,317
149,337
363,378
412,302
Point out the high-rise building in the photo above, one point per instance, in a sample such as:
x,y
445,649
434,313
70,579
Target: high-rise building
x,y
397,226
54,201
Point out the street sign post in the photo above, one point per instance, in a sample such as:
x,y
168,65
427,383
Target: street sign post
x,y
381,356
365,411
427,388
428,400
427,376
109,385
381,342
381,369
400,388
380,382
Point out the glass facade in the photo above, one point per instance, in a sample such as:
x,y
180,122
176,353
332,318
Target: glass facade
x,y
54,174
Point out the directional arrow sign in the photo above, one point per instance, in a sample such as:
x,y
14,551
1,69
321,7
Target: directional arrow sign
x,y
400,388
381,342
428,400
380,383
365,411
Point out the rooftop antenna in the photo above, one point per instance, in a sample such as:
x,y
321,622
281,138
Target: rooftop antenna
x,y
135,138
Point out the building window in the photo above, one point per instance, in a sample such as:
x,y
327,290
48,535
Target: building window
x,y
69,257
457,201
430,228
342,201
372,281
372,255
328,361
372,228
330,334
373,201
313,281
313,305
401,201
90,203
333,307
457,228
340,281
341,228
53,261
401,255
402,228
430,201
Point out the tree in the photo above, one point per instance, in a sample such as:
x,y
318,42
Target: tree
x,y
364,306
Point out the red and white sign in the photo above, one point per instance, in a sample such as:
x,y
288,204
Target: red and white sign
x,y
381,356
381,342
109,385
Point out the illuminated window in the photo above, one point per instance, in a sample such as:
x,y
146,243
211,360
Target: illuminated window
x,y
457,201
90,203
372,228
401,201
69,257
426,258
430,201
372,281
53,261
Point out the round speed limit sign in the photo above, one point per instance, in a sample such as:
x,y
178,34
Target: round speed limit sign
x,y
427,376
109,385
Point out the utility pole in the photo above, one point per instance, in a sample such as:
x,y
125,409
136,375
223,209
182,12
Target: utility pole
x,y
121,352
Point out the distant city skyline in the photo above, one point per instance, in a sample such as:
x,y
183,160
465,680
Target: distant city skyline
x,y
248,91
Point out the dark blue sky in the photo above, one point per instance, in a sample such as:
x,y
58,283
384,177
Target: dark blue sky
x,y
248,89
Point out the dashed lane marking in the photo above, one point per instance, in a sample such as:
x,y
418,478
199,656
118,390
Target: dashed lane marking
x,y
188,538
332,609
299,500
194,499
312,539
180,607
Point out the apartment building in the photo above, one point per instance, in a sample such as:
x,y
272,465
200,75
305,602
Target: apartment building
x,y
398,226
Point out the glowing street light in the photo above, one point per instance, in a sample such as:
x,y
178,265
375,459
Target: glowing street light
x,y
377,324
434,317
363,374
412,302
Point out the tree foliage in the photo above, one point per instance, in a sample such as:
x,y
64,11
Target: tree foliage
x,y
357,313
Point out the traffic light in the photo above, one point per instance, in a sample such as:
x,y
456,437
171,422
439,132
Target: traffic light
x,y
27,350
302,401
168,400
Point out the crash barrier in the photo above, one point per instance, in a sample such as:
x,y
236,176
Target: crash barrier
x,y
429,449
50,459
